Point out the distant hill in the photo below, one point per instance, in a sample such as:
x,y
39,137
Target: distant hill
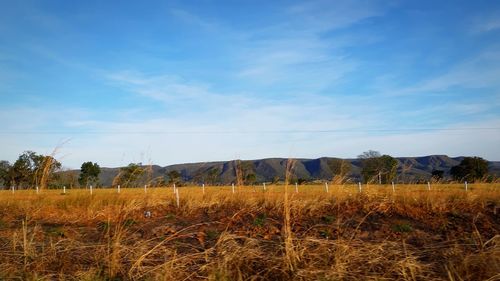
x,y
410,169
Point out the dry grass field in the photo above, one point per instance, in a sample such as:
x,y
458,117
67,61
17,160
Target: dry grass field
x,y
412,233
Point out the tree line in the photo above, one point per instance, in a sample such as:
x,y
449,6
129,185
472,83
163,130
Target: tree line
x,y
383,169
132,175
32,169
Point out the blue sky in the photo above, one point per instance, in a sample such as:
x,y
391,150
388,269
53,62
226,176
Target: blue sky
x,y
169,82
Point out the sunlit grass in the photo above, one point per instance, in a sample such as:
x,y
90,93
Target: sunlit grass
x,y
377,233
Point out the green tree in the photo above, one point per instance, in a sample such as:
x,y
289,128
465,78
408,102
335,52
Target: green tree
x,y
245,173
5,173
369,154
378,168
25,168
130,175
470,169
31,169
89,174
174,177
250,179
437,174
213,175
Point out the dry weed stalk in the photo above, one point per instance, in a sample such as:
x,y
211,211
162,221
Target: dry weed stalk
x,y
47,166
117,179
291,257
345,236
239,174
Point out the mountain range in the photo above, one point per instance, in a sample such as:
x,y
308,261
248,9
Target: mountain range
x,y
410,169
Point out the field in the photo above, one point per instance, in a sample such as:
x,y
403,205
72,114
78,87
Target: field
x,y
377,233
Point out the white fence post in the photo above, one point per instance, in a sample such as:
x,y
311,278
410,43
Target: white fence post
x,y
12,188
466,187
177,197
90,189
428,185
64,189
232,185
296,188
393,187
359,186
37,190
145,188
264,186
203,187
118,189
326,187
175,189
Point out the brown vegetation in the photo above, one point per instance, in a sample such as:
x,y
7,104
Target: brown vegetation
x,y
411,234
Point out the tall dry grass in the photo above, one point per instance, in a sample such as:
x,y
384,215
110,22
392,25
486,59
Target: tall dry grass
x,y
410,234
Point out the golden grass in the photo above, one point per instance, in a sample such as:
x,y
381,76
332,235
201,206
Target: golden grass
x,y
411,234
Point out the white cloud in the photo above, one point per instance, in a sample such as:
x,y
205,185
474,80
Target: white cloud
x,y
490,25
272,130
305,63
223,132
300,54
486,23
325,15
162,149
192,19
165,88
293,52
480,71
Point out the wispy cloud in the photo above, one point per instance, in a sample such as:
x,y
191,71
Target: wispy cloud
x,y
480,71
165,88
319,16
300,63
299,49
198,83
124,142
486,23
193,19
180,94
253,110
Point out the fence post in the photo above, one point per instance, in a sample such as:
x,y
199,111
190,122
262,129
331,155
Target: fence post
x,y
203,187
37,190
393,187
428,185
118,189
264,186
466,187
326,187
359,186
90,189
177,197
232,185
296,188
64,189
